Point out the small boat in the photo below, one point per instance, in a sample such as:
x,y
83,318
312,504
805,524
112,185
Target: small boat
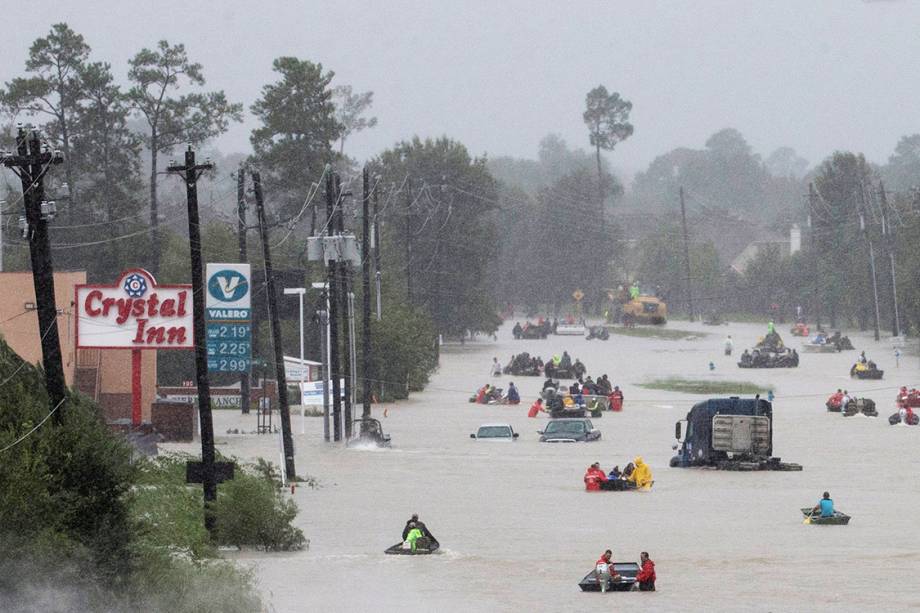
x,y
838,519
813,347
866,371
570,329
622,485
627,572
423,547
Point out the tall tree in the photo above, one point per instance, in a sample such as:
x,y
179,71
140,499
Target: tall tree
x,y
607,117
54,87
903,169
173,119
452,232
349,112
298,126
108,165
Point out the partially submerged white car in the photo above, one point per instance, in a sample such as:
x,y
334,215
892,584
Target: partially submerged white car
x,y
502,433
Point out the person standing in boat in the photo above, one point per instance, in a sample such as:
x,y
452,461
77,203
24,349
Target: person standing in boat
x,y
646,576
825,506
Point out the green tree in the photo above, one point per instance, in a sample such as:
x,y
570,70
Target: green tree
x,y
607,117
903,169
293,144
55,87
173,119
349,112
453,237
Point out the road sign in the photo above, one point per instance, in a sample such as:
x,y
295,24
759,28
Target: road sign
x,y
228,316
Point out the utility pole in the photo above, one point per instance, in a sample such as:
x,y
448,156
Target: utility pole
x,y
377,271
683,218
207,472
333,282
409,240
281,378
366,299
865,231
346,306
245,394
813,254
32,160
888,245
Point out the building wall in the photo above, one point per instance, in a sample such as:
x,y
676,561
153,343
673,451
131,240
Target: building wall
x,y
19,326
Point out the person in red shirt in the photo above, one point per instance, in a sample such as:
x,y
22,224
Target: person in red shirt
x,y
616,399
594,476
646,577
535,408
834,401
603,570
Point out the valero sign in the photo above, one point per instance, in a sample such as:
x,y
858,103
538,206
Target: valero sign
x,y
135,313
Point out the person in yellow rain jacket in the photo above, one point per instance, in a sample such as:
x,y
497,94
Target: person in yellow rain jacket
x,y
642,474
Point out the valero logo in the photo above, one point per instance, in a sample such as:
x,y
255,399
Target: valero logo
x,y
228,286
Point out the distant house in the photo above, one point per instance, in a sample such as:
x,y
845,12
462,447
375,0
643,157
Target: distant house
x,y
786,246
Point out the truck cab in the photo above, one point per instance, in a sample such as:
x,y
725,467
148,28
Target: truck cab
x,y
728,433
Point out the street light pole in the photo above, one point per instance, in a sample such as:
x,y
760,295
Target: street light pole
x,y
299,292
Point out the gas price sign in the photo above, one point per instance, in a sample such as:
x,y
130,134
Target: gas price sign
x,y
228,315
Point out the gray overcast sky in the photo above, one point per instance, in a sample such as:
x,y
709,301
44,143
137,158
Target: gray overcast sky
x,y
499,75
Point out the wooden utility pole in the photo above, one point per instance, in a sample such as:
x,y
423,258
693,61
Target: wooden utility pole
x,y
865,231
31,162
683,218
287,441
366,298
245,394
888,246
207,472
813,254
378,273
347,308
333,283
408,239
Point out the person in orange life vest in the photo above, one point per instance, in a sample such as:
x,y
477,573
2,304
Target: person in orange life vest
x,y
616,399
594,476
535,408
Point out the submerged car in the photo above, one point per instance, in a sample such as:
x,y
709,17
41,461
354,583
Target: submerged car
x,y
495,432
626,577
569,430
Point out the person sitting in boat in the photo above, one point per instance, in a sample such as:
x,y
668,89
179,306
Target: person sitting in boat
x,y
575,388
481,394
825,506
604,385
646,575
603,570
414,522
642,475
549,383
565,362
594,476
512,396
535,408
835,400
614,473
746,357
628,471
412,536
578,369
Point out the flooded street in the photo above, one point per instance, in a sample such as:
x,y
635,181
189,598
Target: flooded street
x,y
518,531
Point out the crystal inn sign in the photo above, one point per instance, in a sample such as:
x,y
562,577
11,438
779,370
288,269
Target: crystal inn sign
x,y
135,313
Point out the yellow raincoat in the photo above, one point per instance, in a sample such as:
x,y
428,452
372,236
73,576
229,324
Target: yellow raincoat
x,y
642,475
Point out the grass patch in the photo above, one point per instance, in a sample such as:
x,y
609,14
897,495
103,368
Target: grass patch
x,y
696,386
657,332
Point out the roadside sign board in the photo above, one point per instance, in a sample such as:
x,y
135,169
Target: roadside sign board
x,y
228,317
312,392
